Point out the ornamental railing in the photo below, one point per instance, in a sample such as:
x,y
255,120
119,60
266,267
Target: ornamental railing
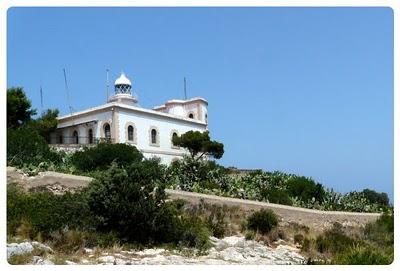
x,y
80,140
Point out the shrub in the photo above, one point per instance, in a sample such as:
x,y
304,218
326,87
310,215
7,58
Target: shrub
x,y
20,259
250,235
44,212
125,204
275,234
216,222
276,196
101,156
334,240
305,189
357,202
131,203
375,197
298,238
306,245
364,256
381,232
387,222
45,124
194,233
262,221
25,146
68,241
187,172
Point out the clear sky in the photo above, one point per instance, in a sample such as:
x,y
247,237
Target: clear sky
x,y
302,90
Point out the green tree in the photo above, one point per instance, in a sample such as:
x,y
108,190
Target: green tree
x,y
375,197
305,189
46,124
19,109
199,144
26,146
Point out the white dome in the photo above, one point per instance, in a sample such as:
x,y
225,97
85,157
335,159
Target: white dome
x,y
122,80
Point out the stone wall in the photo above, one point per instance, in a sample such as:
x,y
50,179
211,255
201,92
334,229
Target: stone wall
x,y
315,219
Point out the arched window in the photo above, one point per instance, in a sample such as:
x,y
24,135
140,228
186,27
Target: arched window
x,y
75,137
191,116
130,133
90,135
206,118
174,135
107,131
153,136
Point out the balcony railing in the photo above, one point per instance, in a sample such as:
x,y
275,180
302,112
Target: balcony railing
x,y
80,140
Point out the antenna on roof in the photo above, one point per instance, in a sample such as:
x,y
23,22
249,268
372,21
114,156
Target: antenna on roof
x,y
184,87
41,99
66,89
108,85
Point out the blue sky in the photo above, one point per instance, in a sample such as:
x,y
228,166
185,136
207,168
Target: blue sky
x,y
302,90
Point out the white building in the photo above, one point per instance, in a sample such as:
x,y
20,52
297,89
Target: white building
x,y
121,120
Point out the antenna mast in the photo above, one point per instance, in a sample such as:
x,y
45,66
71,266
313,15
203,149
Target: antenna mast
x,y
184,87
41,99
108,85
66,89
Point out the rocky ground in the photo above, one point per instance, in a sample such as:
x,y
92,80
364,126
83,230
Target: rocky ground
x,y
229,250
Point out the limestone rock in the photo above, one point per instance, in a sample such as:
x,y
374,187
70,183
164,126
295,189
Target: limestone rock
x,y
41,246
107,259
40,261
18,249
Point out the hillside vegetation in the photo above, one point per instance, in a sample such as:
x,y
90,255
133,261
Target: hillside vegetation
x,y
126,203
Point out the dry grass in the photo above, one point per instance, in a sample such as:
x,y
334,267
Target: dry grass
x,y
21,259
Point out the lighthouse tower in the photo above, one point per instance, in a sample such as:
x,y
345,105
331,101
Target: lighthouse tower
x,y
123,91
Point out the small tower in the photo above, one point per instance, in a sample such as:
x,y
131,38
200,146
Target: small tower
x,y
123,91
123,85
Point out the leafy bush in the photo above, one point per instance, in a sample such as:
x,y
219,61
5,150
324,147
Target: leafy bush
x,y
131,203
193,233
25,146
334,240
262,221
186,173
375,246
276,187
381,232
375,197
126,204
102,155
216,222
45,124
306,245
387,222
357,202
298,238
364,256
250,235
69,241
305,189
44,212
276,196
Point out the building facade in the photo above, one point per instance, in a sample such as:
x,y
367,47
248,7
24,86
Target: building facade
x,y
121,120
